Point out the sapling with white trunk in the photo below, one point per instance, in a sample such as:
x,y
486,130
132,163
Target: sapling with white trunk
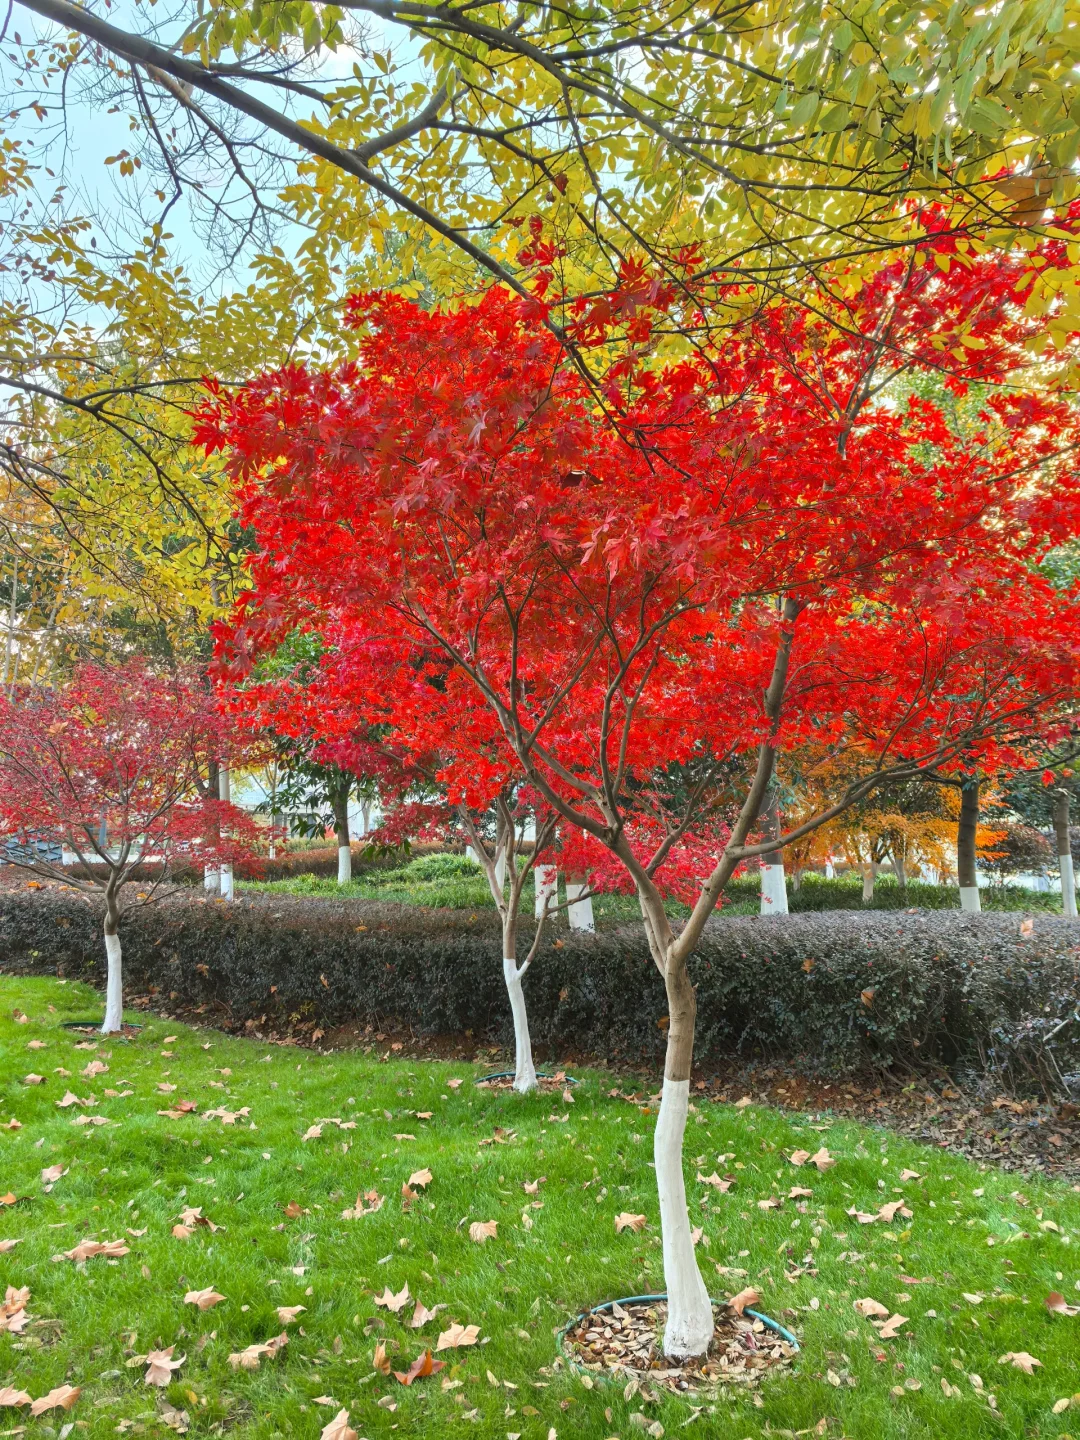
x,y
506,881
1064,851
118,752
967,827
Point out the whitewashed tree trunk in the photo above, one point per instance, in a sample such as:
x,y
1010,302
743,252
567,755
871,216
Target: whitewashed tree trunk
x,y
500,871
341,832
830,870
689,1328
773,890
1064,849
114,978
547,884
226,872
869,877
211,880
524,1069
579,911
966,829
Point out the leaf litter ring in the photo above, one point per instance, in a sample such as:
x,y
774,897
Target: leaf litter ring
x,y
504,1080
623,1340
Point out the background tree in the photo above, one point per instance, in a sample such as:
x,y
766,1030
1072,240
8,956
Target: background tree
x,y
105,768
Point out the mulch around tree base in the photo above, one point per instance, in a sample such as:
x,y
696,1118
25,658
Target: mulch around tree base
x,y
546,1084
625,1343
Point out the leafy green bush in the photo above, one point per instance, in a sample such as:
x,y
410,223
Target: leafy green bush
x,y
832,992
439,867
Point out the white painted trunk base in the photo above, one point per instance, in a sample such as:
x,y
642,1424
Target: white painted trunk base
x,y
524,1069
211,882
227,892
344,865
969,898
114,987
773,890
1068,885
689,1328
579,912
547,886
830,870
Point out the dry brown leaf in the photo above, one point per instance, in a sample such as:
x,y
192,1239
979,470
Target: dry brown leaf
x,y
379,1361
33,1079
13,1316
889,1211
366,1204
94,1067
483,1230
51,1174
90,1120
869,1307
182,1232
799,1157
888,1330
422,1366
204,1299
338,1428
1020,1360
10,1396
393,1302
286,1314
248,1359
799,1192
745,1298
1057,1305
87,1249
823,1160
6,1245
160,1365
773,1202
453,1084
420,1178
62,1398
313,1132
714,1180
909,1175
626,1221
457,1336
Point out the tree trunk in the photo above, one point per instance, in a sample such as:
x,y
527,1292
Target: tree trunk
x,y
524,1069
773,884
689,1328
365,816
341,831
547,885
114,984
1064,850
796,880
965,846
900,869
226,871
579,911
869,876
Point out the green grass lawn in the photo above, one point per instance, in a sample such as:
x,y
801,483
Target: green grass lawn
x,y
282,1241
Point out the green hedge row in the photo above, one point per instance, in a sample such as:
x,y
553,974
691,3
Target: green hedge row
x,y
834,992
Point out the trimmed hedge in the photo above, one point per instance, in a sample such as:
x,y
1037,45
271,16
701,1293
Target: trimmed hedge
x,y
833,992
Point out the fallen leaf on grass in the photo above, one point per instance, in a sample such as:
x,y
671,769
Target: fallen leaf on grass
x,y
35,1044
453,1084
799,1157
742,1104
6,1245
422,1366
823,1160
160,1365
10,1396
889,1211
393,1302
192,1215
457,1336
248,1359
869,1307
8,1199
33,1079
51,1174
227,1117
313,1132
379,1361
531,1187
714,1180
888,1330
338,1428
799,1192
374,1200
94,1067
1020,1360
13,1316
62,1398
483,1230
89,1120
204,1299
421,1315
971,1298
772,1203
87,1249
746,1297
70,1098
626,1221
420,1178
909,1175
286,1314
1057,1305
182,1232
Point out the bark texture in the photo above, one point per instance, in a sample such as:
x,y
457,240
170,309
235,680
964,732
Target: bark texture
x,y
1064,851
966,828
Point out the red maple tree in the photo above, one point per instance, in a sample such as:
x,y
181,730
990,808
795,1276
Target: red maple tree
x,y
647,605
107,769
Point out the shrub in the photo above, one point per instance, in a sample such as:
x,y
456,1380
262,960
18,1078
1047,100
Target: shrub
x,y
835,993
443,866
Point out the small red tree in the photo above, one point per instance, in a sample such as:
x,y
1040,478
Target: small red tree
x,y
107,768
649,607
